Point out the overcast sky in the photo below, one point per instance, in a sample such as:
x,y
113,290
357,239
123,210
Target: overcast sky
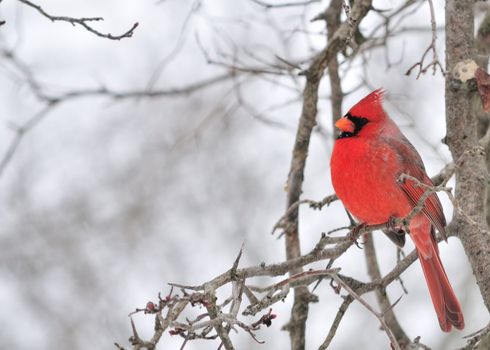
x,y
105,201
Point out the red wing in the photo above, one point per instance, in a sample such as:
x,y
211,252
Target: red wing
x,y
432,206
412,165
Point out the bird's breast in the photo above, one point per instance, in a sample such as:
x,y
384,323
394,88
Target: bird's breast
x,y
364,176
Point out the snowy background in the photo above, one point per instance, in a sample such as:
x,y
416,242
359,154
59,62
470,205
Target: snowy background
x,y
107,200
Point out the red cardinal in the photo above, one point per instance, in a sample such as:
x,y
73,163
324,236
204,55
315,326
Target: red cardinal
x,y
368,158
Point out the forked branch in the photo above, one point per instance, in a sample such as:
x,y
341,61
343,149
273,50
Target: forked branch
x,y
82,21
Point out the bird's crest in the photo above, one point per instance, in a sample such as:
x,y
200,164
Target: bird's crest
x,y
370,107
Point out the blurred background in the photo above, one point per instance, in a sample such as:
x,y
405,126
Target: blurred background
x,y
176,152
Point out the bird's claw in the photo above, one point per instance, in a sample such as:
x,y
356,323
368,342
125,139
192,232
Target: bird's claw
x,y
391,224
394,226
354,233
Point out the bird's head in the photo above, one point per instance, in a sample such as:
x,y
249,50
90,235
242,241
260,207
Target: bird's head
x,y
367,112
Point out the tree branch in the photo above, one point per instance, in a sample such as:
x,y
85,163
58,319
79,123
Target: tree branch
x,y
83,21
284,4
393,341
307,121
53,100
432,47
381,295
471,171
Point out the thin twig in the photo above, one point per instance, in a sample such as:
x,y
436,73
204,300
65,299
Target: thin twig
x,y
307,121
55,100
83,21
432,47
313,204
284,4
336,322
393,342
381,295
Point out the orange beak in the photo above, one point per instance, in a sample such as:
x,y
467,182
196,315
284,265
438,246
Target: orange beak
x,y
345,125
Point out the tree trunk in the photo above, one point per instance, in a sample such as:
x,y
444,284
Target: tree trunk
x,y
462,138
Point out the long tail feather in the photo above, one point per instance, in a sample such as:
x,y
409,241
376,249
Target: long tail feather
x,y
445,302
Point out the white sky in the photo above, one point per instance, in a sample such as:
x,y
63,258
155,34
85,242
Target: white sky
x,y
107,201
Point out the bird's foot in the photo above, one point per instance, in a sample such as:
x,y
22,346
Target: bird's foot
x,y
395,231
354,233
394,225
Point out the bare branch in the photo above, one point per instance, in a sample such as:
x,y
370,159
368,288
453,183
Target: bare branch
x,y
393,342
51,100
196,5
83,21
313,204
332,19
307,121
432,47
381,295
284,4
478,340
20,132
336,322
273,294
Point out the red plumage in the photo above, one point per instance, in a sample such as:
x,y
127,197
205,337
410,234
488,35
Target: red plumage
x,y
367,160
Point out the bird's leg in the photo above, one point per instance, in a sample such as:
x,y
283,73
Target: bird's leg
x,y
354,233
395,231
394,226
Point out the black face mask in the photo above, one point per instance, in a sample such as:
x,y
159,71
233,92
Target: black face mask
x,y
359,123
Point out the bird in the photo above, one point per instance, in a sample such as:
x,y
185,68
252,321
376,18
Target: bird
x,y
380,178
